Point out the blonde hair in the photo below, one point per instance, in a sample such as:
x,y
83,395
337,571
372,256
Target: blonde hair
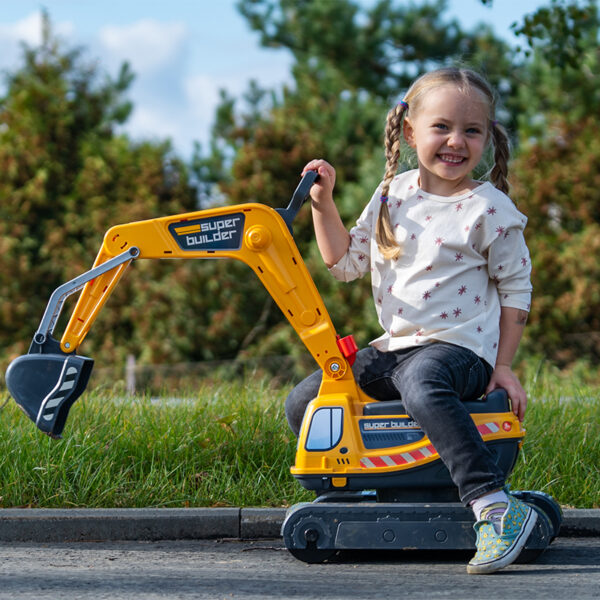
x,y
465,80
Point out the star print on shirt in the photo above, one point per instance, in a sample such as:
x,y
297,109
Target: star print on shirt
x,y
417,301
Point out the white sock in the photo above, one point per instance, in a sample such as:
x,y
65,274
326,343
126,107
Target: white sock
x,y
483,501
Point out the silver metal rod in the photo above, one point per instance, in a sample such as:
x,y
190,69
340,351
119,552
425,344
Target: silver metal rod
x,y
61,293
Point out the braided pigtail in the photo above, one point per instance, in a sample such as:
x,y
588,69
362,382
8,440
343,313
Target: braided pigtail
x,y
384,233
499,173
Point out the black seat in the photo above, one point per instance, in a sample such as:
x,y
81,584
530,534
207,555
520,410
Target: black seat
x,y
496,401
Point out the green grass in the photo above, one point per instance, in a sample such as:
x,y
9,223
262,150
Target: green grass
x,y
561,452
229,445
226,446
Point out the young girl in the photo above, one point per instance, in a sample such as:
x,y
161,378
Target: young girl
x,y
450,274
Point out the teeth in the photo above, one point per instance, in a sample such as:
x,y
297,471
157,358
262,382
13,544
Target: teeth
x,y
452,159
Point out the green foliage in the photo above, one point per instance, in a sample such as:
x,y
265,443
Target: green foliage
x,y
66,176
561,78
378,48
564,31
558,186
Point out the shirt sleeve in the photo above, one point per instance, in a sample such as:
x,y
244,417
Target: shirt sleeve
x,y
509,265
357,260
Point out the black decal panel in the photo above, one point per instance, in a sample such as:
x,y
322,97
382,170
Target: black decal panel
x,y
211,233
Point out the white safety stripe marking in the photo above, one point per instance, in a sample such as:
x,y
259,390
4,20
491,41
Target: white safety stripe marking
x,y
54,402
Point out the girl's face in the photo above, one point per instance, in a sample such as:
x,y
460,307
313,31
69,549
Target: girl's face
x,y
449,133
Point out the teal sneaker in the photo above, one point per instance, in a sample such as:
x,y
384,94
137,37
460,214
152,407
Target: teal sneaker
x,y
498,547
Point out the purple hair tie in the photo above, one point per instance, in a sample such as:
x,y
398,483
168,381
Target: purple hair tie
x,y
403,104
383,199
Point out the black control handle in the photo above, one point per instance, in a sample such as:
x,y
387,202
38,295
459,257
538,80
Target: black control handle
x,y
299,197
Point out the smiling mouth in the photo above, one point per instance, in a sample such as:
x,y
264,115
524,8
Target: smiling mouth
x,y
452,159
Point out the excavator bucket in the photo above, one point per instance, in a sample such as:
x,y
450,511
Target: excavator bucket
x,y
45,386
46,382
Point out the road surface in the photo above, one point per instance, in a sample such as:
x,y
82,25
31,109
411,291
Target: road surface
x,y
234,570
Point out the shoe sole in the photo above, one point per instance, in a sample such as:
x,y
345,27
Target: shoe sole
x,y
512,555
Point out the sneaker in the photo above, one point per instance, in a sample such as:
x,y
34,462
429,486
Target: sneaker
x,y
498,547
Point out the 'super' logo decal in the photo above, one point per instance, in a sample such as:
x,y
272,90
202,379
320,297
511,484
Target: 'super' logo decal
x,y
210,233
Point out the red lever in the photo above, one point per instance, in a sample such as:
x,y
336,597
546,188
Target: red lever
x,y
348,347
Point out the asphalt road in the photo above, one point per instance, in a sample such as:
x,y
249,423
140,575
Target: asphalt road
x,y
233,569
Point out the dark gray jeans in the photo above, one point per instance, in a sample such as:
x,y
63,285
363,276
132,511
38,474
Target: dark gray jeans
x,y
432,381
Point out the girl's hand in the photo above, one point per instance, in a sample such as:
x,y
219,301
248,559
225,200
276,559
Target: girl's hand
x,y
503,377
322,191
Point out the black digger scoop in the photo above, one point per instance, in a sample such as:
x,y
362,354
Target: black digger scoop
x,y
45,386
46,382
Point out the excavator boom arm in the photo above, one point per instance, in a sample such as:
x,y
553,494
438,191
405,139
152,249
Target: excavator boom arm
x,y
252,233
47,381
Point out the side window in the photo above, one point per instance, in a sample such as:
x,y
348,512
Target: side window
x,y
325,429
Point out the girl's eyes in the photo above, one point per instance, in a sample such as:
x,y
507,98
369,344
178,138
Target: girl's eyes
x,y
470,130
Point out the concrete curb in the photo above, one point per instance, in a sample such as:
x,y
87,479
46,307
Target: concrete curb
x,y
153,524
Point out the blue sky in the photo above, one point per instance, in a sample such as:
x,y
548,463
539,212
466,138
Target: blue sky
x,y
184,51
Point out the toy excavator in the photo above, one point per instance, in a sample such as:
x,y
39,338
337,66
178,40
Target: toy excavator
x,y
380,483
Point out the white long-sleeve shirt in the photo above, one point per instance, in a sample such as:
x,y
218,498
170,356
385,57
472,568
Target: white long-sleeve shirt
x,y
463,257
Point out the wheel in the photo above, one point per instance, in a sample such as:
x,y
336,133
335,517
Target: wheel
x,y
311,540
544,503
529,555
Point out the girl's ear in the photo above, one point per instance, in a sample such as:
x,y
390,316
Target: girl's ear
x,y
408,132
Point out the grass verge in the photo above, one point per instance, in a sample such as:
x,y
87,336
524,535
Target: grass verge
x,y
229,445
